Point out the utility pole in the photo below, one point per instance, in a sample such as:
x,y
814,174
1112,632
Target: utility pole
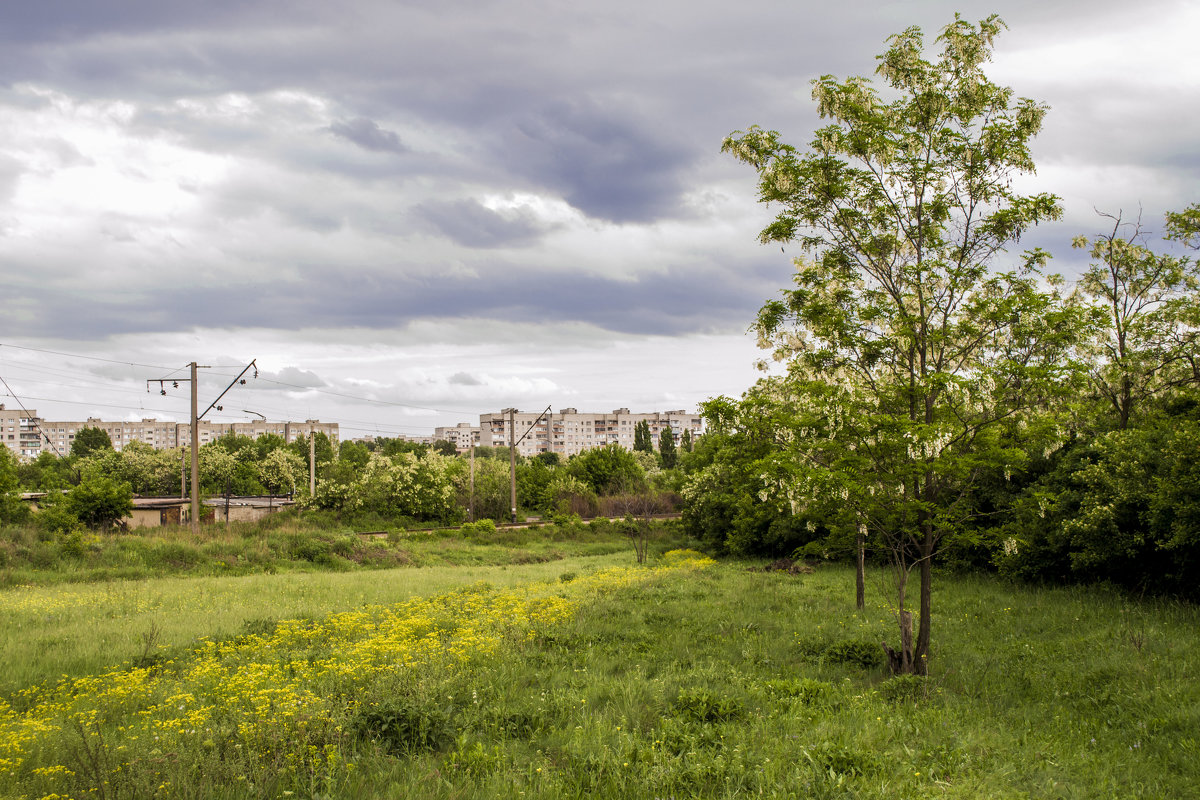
x,y
312,462
512,450
512,459
196,417
195,452
471,502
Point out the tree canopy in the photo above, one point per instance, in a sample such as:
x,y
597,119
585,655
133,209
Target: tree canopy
x,y
907,350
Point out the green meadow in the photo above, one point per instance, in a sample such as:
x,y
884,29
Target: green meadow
x,y
589,676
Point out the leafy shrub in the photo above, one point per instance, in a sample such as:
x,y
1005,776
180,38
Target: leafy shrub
x,y
310,548
855,653
701,704
57,518
72,545
904,689
806,690
480,528
850,652
100,501
402,726
838,759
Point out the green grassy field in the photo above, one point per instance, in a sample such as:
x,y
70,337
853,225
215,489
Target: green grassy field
x,y
79,628
284,543
639,683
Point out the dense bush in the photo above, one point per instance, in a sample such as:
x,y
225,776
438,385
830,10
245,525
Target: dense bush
x,y
1123,507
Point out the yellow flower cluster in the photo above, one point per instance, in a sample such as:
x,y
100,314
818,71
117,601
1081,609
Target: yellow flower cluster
x,y
270,695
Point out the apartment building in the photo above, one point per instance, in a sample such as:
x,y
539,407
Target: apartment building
x,y
462,435
30,435
569,432
19,431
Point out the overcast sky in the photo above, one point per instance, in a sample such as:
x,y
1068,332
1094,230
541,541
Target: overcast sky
x,y
412,213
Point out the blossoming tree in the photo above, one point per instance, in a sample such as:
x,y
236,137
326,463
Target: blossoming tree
x,y
910,353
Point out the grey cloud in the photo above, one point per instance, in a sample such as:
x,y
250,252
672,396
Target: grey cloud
x,y
698,298
606,162
293,378
464,379
471,224
367,134
10,174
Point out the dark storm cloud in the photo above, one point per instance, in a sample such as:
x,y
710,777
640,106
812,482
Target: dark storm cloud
x,y
601,160
697,299
367,134
616,108
471,224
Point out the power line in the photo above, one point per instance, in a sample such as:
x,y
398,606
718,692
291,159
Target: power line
x,y
30,417
343,395
89,358
230,418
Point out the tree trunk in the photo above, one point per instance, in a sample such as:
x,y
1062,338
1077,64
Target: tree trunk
x,y
920,660
900,662
859,575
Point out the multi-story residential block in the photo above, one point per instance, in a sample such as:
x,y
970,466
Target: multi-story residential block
x,y
30,435
463,435
19,430
569,432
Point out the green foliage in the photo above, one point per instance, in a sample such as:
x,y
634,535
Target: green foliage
x,y
905,349
55,516
1184,226
682,685
99,501
904,689
483,528
281,470
533,478
1122,507
642,439
806,691
402,726
323,448
701,704
218,469
401,486
147,471
89,440
355,453
266,444
666,448
12,509
47,472
606,469
1147,316
492,488
566,494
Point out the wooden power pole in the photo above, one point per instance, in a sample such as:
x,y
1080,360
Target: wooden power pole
x,y
512,459
195,452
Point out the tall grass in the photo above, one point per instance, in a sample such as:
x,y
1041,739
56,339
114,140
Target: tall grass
x,y
76,629
282,543
718,683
